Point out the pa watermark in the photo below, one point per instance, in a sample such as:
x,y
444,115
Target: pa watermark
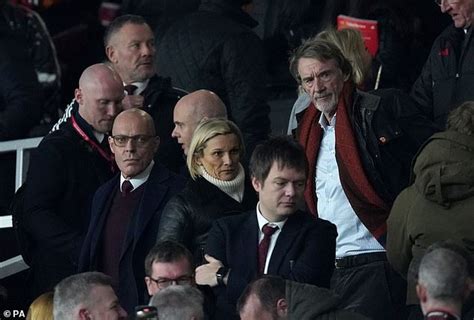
x,y
12,314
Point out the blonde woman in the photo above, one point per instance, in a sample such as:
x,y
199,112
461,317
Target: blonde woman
x,y
218,186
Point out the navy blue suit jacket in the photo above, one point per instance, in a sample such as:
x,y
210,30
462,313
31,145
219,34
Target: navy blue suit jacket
x,y
161,185
304,252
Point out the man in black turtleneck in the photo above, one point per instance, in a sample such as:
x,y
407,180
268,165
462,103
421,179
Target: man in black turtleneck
x,y
447,79
65,171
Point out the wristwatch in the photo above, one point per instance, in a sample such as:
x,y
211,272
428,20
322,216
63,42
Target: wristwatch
x,y
220,275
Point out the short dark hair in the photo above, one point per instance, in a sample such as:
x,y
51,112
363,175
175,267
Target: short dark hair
x,y
268,289
283,150
118,23
461,119
321,50
166,251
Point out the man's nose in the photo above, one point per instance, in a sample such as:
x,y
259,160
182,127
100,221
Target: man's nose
x,y
290,190
147,50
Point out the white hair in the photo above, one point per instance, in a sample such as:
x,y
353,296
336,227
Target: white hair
x,y
444,274
74,291
179,303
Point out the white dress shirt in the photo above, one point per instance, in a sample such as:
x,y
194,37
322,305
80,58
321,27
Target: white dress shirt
x,y
261,222
333,205
139,179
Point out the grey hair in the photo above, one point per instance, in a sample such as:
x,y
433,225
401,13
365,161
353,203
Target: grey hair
x,y
75,290
461,119
444,274
178,303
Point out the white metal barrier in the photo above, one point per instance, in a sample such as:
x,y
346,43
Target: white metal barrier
x,y
21,147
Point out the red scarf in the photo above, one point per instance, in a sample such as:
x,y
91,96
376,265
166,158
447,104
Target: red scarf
x,y
365,201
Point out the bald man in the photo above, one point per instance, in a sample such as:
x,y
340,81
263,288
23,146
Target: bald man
x,y
126,210
192,109
65,171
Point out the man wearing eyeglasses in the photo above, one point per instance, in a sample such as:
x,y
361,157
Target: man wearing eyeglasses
x,y
125,211
168,263
359,147
447,79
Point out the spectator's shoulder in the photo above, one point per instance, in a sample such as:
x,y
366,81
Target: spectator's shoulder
x,y
165,86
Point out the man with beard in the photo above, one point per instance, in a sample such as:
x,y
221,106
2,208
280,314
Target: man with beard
x,y
359,148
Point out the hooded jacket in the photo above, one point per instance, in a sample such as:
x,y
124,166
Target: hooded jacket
x,y
439,205
308,302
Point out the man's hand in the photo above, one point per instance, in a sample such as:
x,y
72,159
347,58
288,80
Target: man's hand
x,y
132,101
206,274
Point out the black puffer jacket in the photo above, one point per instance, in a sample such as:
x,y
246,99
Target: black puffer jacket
x,y
447,79
188,216
215,49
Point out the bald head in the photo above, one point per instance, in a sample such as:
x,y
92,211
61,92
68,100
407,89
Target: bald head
x,y
142,118
99,96
191,110
133,141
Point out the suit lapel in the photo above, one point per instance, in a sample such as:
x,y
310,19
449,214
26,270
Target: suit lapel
x,y
99,216
284,243
249,243
153,195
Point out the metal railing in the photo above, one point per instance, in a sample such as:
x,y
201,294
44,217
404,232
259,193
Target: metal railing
x,y
22,148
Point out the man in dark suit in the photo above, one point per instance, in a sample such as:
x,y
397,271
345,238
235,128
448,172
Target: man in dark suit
x,y
65,170
276,238
126,210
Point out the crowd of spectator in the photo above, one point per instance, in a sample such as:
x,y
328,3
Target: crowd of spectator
x,y
159,191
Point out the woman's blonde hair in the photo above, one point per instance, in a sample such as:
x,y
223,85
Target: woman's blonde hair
x,y
41,308
352,46
204,132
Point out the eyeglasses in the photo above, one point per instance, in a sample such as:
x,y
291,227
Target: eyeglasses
x,y
165,282
440,2
139,140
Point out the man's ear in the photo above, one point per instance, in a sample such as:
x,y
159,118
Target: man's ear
x,y
110,52
78,95
256,184
84,314
111,144
421,293
282,307
148,286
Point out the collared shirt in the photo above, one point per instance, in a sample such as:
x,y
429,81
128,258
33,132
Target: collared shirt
x,y
141,86
333,205
263,221
139,179
98,135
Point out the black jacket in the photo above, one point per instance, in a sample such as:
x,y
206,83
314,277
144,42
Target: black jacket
x,y
21,99
447,79
215,49
188,216
389,130
159,101
140,235
63,175
304,251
